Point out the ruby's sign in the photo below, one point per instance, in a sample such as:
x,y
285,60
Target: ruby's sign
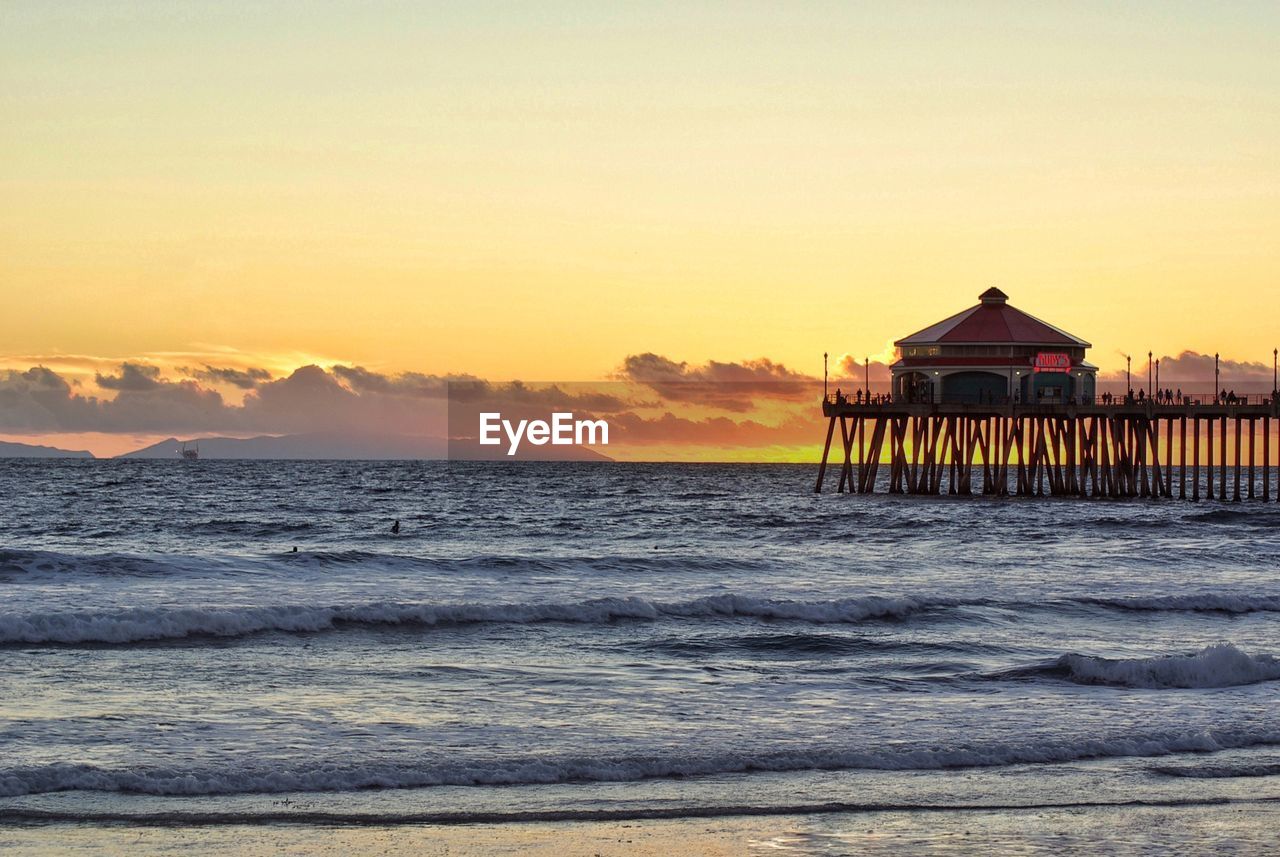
x,y
1051,361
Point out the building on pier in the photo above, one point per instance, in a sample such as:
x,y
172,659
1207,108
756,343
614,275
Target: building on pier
x,y
993,352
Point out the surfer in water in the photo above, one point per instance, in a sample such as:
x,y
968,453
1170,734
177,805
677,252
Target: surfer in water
x,y
395,528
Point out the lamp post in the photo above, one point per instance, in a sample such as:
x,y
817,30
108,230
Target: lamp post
x,y
1275,353
1128,379
866,368
1215,376
824,375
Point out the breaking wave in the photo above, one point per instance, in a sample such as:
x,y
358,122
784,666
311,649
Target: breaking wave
x,y
1219,665
171,623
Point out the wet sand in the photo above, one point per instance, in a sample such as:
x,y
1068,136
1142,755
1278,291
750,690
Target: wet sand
x,y
1236,828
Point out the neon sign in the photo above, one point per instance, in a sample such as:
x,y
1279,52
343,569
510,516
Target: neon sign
x,y
1052,361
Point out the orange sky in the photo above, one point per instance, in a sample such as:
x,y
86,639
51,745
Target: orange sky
x,y
537,191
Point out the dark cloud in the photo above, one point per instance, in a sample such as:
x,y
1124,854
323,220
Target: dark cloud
x,y
726,386
182,406
363,380
576,397
39,399
656,401
307,400
468,389
670,429
38,378
245,379
133,376
1193,373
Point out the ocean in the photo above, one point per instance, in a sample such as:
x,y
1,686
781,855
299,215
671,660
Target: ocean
x,y
569,644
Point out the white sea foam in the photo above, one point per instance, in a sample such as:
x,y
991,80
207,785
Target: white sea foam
x,y
165,623
335,777
1220,665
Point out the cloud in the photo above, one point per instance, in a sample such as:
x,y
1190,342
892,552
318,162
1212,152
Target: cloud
x,y
308,399
133,376
40,399
363,380
653,400
245,379
182,406
1193,372
853,369
576,397
800,427
727,386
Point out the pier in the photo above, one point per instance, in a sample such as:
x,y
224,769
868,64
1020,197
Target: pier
x,y
995,401
1184,451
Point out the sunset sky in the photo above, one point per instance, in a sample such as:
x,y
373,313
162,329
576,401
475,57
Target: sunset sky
x,y
543,190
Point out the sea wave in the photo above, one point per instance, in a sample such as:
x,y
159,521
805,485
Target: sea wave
x,y
801,644
321,776
140,624
1200,602
1219,665
1260,517
1219,772
247,527
34,562
170,623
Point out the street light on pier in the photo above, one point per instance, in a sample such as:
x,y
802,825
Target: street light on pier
x,y
824,375
1128,380
866,368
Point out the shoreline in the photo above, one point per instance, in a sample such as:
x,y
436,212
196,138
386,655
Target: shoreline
x,y
1242,827
450,819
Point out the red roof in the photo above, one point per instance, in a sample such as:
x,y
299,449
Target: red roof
x,y
993,322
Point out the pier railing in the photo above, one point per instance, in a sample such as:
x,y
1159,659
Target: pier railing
x,y
1184,400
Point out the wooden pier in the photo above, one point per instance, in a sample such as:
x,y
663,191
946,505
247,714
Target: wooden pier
x,y
1121,450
